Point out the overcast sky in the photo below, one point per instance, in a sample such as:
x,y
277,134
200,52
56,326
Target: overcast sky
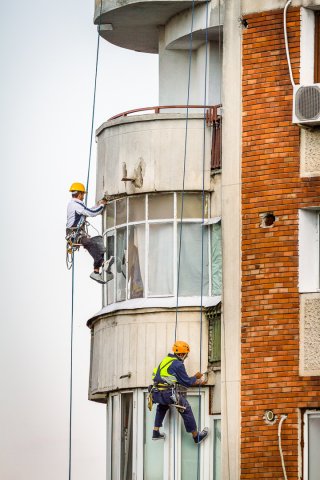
x,y
47,55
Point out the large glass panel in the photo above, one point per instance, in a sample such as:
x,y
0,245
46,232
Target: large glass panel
x,y
115,438
111,280
126,436
216,258
217,450
191,259
110,215
160,206
120,262
152,451
137,208
189,453
136,261
313,447
192,205
121,211
160,259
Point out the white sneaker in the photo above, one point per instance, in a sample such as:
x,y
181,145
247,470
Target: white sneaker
x,y
97,277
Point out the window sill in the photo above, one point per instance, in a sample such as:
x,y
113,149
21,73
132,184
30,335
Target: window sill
x,y
159,302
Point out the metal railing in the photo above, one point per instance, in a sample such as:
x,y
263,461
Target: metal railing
x,y
213,120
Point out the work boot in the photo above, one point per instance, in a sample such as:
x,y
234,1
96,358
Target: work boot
x,y
201,435
157,435
97,277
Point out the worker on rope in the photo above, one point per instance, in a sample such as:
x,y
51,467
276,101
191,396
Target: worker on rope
x,y
76,214
170,383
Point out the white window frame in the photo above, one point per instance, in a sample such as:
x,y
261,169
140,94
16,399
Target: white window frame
x,y
172,426
309,250
306,417
174,221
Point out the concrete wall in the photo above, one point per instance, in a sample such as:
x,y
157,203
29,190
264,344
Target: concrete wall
x,y
136,341
231,227
152,148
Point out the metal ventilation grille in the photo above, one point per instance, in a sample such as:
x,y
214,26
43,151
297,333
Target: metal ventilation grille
x,y
308,103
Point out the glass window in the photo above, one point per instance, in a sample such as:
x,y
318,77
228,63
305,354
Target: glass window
x,y
160,259
217,449
153,451
110,215
110,253
137,209
121,263
192,205
115,438
145,263
126,436
136,261
313,442
189,453
160,206
216,259
191,259
121,211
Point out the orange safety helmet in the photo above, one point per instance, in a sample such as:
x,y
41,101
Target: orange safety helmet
x,y
180,347
77,187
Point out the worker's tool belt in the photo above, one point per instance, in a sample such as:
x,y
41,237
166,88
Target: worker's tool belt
x,y
75,234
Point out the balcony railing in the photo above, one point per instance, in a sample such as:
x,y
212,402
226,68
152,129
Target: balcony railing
x,y
213,120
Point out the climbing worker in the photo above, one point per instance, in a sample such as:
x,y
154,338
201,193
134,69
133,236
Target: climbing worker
x,y
76,213
168,378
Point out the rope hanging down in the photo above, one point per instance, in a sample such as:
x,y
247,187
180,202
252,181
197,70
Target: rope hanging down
x,y
72,255
202,225
182,206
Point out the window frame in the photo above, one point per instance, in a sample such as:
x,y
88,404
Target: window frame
x,y
147,222
172,426
306,417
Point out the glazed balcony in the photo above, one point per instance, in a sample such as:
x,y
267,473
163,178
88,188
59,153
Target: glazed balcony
x,y
144,150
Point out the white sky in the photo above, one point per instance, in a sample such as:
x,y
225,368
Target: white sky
x,y
47,60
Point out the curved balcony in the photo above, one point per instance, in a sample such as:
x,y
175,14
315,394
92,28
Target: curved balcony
x,y
135,24
140,153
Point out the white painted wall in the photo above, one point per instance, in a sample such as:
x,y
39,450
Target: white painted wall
x,y
231,247
174,72
136,342
156,142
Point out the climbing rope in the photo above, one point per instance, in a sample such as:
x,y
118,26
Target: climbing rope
x,y
182,207
202,225
71,257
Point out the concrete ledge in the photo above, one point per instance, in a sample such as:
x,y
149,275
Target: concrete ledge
x,y
135,24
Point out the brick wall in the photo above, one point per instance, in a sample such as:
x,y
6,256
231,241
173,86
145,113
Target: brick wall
x,y
270,299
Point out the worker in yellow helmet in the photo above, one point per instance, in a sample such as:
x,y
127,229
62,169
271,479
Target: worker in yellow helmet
x,y
167,377
77,211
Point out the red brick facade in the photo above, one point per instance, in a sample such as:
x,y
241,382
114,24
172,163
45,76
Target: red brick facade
x,y
270,298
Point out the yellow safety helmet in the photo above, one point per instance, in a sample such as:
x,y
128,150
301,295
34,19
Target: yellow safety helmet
x,y
77,187
180,347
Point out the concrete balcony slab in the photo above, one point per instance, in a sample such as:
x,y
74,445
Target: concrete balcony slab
x,y
135,24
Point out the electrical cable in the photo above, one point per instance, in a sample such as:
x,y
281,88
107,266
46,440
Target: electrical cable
x,y
72,255
283,418
286,41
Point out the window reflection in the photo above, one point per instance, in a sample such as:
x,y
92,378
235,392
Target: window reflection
x,y
121,263
161,259
136,261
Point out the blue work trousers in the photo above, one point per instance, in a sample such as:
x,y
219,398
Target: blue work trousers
x,y
162,398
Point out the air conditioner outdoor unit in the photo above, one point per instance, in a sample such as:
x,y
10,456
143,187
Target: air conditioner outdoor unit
x,y
306,104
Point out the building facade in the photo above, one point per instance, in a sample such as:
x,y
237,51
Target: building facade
x,y
215,235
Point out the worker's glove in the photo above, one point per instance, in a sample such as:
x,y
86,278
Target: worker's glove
x,y
198,375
